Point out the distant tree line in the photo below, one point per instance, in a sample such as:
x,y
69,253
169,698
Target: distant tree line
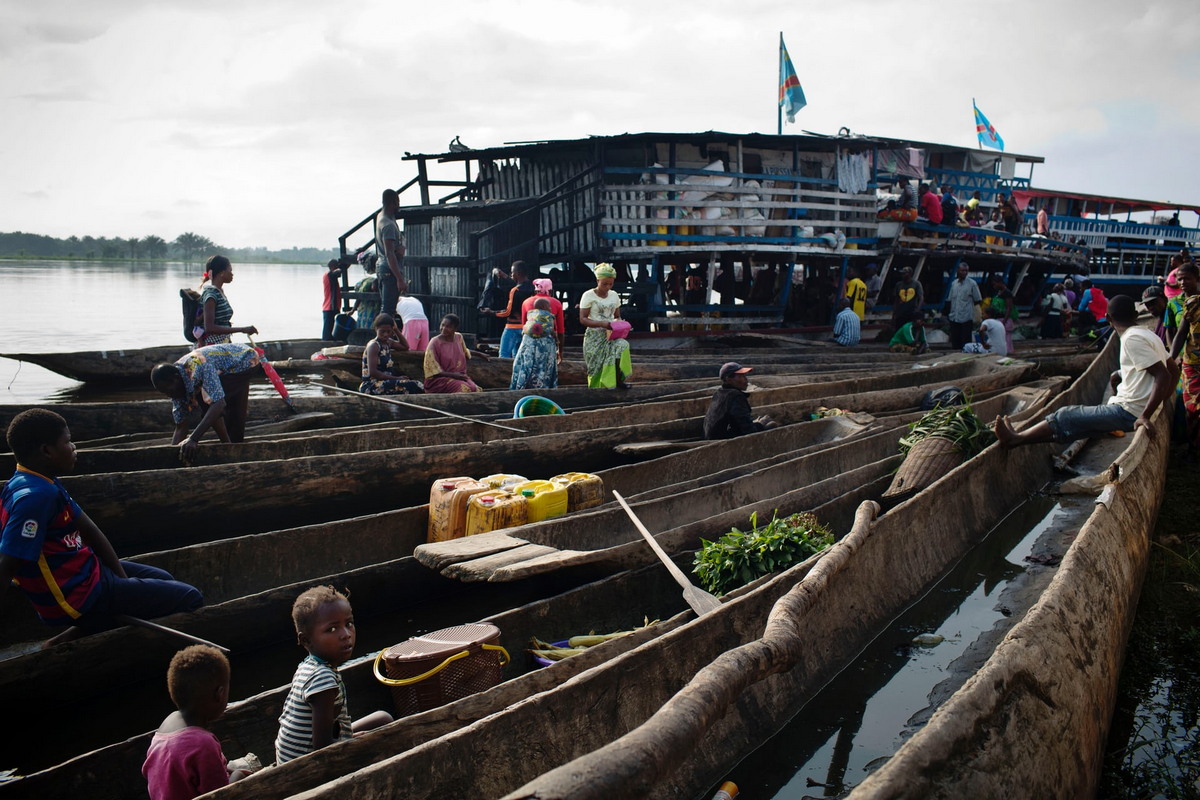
x,y
185,247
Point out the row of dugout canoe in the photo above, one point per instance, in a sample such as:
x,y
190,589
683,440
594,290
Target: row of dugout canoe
x,y
571,573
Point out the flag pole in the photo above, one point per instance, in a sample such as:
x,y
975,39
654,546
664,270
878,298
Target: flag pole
x,y
978,141
779,80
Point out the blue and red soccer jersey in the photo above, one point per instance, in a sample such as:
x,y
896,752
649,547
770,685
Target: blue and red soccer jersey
x,y
57,571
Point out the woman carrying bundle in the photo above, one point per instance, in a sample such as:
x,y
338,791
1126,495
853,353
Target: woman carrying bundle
x,y
606,357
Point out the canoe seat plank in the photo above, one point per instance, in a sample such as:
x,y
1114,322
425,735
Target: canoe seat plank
x,y
438,555
481,569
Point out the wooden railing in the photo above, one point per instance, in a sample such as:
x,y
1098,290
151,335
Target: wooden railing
x,y
764,211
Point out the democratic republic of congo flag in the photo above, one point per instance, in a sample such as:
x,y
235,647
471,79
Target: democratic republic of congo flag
x,y
791,96
984,130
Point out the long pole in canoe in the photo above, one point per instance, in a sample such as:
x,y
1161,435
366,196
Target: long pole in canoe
x,y
154,626
420,407
701,601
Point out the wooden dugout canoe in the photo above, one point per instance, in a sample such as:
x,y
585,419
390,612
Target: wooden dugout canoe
x,y
134,364
644,735
845,392
600,538
261,619
229,568
1036,716
98,420
231,499
614,603
105,419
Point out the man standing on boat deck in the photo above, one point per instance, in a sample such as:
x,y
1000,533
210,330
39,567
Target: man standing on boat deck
x,y
510,340
961,301
389,241
856,293
909,298
728,414
1144,381
874,285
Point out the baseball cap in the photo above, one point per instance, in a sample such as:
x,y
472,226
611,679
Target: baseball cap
x,y
732,368
1153,292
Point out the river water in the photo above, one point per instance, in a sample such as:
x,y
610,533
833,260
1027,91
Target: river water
x,y
61,306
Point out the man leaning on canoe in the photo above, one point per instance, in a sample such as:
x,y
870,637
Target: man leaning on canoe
x,y
216,379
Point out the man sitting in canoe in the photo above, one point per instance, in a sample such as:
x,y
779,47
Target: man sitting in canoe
x,y
57,556
1143,382
729,412
215,378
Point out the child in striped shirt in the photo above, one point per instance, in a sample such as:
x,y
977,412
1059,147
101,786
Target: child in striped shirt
x,y
315,713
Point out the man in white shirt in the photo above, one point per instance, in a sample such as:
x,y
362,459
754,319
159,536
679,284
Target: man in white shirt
x,y
961,300
1145,379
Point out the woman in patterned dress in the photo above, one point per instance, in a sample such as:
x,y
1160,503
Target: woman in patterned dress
x,y
606,358
378,371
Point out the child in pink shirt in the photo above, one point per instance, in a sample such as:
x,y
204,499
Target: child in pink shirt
x,y
185,758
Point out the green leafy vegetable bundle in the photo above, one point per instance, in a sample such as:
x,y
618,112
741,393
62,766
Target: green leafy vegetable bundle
x,y
739,556
959,424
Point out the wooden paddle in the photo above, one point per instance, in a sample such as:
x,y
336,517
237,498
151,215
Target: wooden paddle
x,y
701,601
395,402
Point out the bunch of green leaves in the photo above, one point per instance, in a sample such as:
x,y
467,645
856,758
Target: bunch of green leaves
x,y
959,424
740,556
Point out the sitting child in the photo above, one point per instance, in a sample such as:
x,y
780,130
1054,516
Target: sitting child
x,y
315,713
57,556
185,758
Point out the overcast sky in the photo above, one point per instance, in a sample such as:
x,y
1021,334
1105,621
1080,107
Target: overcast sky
x,y
269,123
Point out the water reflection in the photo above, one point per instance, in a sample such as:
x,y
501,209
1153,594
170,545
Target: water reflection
x,y
859,719
60,306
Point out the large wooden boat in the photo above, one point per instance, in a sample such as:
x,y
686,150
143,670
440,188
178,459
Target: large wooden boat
x,y
640,739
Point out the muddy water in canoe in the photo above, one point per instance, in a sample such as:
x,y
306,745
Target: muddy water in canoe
x,y
879,700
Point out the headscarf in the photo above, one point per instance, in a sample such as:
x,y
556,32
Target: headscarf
x,y
1173,288
605,270
543,285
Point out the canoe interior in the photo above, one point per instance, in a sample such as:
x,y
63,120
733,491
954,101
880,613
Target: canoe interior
x,y
1037,713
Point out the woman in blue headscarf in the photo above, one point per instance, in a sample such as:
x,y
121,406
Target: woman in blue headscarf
x,y
605,349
